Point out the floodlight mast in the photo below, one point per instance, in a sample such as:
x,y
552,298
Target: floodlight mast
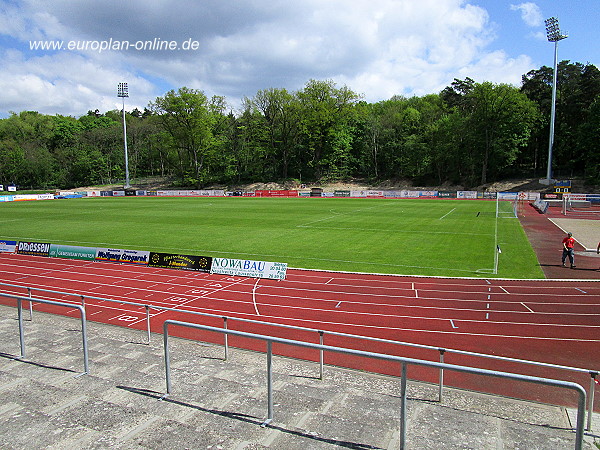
x,y
554,35
123,91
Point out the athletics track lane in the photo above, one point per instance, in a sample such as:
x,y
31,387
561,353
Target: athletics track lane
x,y
549,321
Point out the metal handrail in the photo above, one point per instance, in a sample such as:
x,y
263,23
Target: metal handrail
x,y
593,373
405,362
81,309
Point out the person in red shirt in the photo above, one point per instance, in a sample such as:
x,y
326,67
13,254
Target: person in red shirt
x,y
568,250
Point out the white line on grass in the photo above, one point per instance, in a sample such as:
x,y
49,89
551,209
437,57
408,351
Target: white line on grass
x,y
452,210
336,215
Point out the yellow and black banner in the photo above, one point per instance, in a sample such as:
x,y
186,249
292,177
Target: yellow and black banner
x,y
176,261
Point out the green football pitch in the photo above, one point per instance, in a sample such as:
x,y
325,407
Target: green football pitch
x,y
458,238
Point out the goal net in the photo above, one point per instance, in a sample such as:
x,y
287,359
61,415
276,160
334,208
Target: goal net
x,y
509,208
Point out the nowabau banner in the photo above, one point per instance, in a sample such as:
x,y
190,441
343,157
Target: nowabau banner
x,y
123,256
33,248
72,252
248,268
176,261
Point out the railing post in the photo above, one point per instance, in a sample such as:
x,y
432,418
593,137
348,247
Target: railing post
x,y
82,301
321,355
148,323
167,361
441,385
21,333
403,408
591,403
269,384
579,430
30,305
86,365
226,339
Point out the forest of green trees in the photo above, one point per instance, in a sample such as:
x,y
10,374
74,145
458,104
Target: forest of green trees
x,y
471,133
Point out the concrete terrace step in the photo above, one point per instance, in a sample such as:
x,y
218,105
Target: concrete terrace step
x,y
221,404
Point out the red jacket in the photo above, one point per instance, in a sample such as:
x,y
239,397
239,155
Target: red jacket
x,y
568,242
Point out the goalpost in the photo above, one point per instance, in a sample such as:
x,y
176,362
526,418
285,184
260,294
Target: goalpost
x,y
510,208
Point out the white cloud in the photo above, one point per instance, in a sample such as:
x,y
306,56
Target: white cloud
x,y
377,48
497,67
530,13
65,83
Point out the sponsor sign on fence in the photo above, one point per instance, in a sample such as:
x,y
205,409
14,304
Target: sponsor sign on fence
x,y
275,193
72,252
447,194
341,193
508,195
248,268
466,194
33,248
176,261
124,256
8,246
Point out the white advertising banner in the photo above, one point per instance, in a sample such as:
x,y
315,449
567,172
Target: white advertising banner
x,y
8,246
466,194
248,268
123,256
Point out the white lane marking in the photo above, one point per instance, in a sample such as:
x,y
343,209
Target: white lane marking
x,y
530,310
254,297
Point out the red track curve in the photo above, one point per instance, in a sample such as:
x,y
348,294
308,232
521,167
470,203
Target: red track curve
x,y
542,320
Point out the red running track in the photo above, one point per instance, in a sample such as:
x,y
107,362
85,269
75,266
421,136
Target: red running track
x,y
541,320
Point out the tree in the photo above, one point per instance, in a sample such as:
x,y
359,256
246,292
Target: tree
x,y
280,111
326,119
187,119
589,142
500,121
577,87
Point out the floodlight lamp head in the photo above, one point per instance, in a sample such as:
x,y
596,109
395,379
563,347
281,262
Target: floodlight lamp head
x,y
553,30
122,90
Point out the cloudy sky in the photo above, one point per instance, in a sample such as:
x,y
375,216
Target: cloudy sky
x,y
234,48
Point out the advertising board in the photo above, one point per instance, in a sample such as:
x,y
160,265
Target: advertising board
x,y
123,256
177,261
8,246
248,268
33,248
466,194
72,252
